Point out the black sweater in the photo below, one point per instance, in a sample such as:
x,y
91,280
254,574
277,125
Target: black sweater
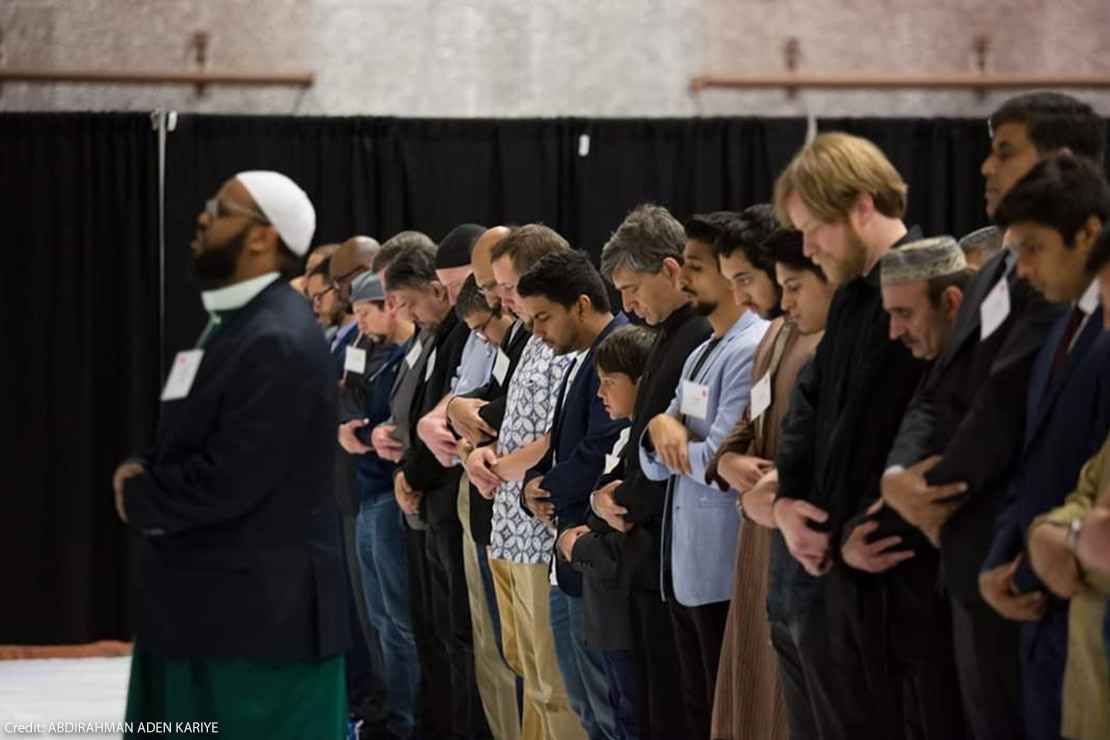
x,y
844,414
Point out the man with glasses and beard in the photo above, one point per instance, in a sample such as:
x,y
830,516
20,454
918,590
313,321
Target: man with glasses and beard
x,y
241,622
331,314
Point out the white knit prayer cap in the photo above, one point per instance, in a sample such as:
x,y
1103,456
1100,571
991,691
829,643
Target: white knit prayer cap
x,y
286,206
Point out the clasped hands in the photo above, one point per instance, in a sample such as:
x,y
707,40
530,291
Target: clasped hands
x,y
538,501
463,414
480,466
924,506
407,497
606,507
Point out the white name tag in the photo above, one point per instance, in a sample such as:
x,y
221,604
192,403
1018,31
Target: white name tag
x,y
994,309
356,360
613,459
761,396
501,367
695,399
431,366
414,354
182,374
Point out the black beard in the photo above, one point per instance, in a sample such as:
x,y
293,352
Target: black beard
x,y
214,267
774,313
704,309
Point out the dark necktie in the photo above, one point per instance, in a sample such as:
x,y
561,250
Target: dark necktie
x,y
1061,356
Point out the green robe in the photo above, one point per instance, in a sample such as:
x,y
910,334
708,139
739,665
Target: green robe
x,y
247,698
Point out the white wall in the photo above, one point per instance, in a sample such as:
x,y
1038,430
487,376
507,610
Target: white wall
x,y
542,57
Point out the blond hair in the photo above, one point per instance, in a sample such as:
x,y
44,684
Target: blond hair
x,y
831,172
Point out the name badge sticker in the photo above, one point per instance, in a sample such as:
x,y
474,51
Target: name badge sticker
x,y
414,354
994,309
695,400
501,367
431,366
356,360
182,374
761,396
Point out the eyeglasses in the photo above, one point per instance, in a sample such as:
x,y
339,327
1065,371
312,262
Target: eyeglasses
x,y
218,208
348,277
481,330
318,297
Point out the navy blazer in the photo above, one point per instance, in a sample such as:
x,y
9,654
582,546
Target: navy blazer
x,y
340,350
581,436
241,553
1066,423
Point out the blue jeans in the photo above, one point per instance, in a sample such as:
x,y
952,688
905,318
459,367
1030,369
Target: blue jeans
x,y
583,669
385,576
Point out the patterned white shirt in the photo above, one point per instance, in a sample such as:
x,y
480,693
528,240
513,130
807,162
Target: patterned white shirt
x,y
529,414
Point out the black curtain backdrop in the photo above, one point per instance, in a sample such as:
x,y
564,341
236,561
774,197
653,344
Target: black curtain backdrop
x,y
939,158
81,363
380,176
82,302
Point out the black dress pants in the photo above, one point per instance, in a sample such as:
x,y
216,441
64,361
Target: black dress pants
x,y
435,679
874,666
699,632
989,666
655,657
451,609
795,690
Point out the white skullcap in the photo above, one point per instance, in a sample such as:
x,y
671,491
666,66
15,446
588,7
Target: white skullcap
x,y
286,206
922,260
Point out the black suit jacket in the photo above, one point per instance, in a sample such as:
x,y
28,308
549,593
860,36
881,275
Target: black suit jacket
x,y
971,410
241,553
422,471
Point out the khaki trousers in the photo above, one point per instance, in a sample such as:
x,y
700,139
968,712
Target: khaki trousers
x,y
496,681
523,594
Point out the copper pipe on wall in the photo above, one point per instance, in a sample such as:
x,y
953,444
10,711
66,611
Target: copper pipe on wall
x,y
131,77
956,81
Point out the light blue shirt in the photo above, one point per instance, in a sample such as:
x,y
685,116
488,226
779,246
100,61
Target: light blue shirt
x,y
342,332
475,365
703,522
